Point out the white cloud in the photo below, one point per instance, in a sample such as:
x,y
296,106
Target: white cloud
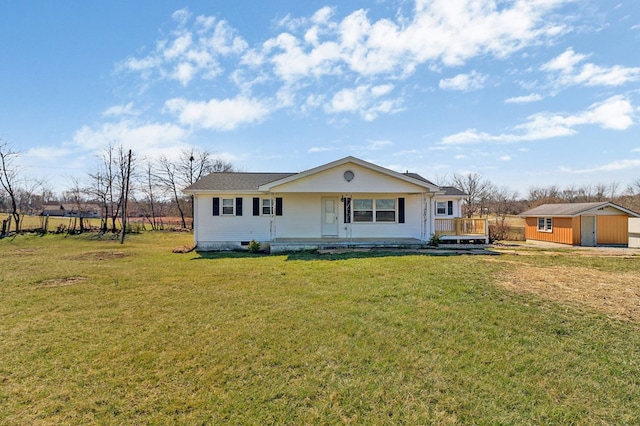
x,y
534,97
145,139
316,149
118,110
47,153
225,114
189,52
364,100
570,70
377,145
609,167
435,33
464,82
613,113
505,158
440,31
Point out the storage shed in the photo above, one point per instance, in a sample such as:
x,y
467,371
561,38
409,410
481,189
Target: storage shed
x,y
634,232
580,224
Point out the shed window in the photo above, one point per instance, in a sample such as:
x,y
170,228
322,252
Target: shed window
x,y
545,224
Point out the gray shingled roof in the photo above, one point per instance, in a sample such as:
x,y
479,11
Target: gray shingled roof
x,y
564,209
239,181
235,181
452,190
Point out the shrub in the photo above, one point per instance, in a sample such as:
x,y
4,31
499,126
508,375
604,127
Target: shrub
x,y
435,240
254,246
499,231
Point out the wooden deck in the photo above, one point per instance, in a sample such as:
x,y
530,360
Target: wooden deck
x,y
462,230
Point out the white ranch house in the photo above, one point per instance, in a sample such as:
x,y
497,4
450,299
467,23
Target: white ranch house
x,y
348,202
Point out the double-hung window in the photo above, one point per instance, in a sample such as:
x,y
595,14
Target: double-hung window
x,y
444,208
363,210
374,210
386,210
228,205
266,207
545,224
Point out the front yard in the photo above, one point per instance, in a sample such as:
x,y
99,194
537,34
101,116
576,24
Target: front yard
x,y
92,331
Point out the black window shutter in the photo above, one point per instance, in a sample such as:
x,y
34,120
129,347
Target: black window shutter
x,y
238,206
256,206
216,206
347,210
401,210
450,208
279,206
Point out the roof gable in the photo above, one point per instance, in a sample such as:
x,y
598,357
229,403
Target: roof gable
x,y
364,177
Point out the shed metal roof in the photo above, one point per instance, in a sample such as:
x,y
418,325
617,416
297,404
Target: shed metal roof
x,y
572,209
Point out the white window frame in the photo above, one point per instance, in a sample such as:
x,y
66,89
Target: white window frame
x,y
444,208
232,205
377,209
374,210
545,224
269,206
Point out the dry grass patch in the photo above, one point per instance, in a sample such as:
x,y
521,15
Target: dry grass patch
x,y
616,294
60,282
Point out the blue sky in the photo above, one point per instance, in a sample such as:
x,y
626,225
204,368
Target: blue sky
x,y
526,93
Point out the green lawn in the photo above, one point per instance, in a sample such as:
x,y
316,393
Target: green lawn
x,y
92,331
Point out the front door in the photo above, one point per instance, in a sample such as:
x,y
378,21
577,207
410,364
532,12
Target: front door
x,y
329,217
588,231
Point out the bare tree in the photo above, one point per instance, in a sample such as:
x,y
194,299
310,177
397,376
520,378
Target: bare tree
x,y
76,196
149,189
477,190
29,197
108,184
8,180
190,166
503,203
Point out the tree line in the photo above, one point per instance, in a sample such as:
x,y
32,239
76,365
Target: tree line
x,y
151,188
157,189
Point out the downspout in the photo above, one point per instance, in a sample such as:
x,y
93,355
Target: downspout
x,y
272,217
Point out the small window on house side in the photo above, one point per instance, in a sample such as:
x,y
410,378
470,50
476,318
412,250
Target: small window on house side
x,y
441,207
228,205
266,206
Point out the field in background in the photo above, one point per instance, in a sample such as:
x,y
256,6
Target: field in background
x,y
65,224
92,331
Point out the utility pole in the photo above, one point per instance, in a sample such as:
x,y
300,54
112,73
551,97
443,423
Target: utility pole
x,y
126,198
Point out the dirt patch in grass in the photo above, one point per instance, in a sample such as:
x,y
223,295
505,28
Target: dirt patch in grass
x,y
615,294
61,282
106,255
